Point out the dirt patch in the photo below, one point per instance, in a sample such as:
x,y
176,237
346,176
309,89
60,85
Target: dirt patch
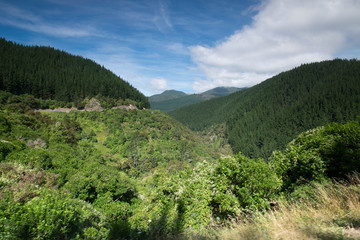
x,y
67,110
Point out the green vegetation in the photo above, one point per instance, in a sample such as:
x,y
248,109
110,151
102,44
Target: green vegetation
x,y
76,175
46,73
140,174
267,116
332,213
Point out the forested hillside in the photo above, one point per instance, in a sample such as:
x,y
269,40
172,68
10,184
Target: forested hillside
x,y
267,116
52,74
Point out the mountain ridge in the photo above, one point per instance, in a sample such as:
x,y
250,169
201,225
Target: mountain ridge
x,y
172,99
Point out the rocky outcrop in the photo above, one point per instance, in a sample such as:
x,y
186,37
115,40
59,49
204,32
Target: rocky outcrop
x,y
93,105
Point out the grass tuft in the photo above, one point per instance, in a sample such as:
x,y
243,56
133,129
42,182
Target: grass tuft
x,y
334,213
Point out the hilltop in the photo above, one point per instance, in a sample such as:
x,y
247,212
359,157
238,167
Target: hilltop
x,y
51,74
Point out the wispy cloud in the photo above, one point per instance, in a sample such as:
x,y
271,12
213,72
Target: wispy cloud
x,y
23,19
284,34
161,18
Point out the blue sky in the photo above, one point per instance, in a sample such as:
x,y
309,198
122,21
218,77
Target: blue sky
x,y
192,45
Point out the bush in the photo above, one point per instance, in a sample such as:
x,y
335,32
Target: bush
x,y
332,151
252,181
51,215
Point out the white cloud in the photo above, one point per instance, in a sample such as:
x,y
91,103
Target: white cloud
x,y
284,34
158,84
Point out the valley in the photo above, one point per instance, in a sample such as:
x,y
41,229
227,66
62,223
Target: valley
x,y
209,170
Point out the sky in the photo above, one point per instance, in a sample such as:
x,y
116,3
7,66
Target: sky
x,y
189,45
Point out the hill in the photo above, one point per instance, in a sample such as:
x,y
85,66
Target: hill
x,y
84,167
166,95
267,116
52,74
171,99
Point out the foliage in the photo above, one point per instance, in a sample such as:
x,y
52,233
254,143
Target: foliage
x,y
333,213
267,116
139,174
332,151
251,180
50,215
194,199
46,73
91,158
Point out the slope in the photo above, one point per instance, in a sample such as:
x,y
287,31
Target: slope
x,y
267,116
52,74
73,176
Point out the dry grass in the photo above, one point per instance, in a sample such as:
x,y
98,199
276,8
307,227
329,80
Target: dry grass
x,y
335,214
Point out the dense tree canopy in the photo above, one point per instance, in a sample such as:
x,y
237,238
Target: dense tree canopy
x,y
52,74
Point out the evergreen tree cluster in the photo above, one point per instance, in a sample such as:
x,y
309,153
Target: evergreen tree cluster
x,y
267,116
52,74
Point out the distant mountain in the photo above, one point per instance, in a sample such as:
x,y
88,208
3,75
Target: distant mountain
x,y
167,95
219,92
47,73
172,99
265,117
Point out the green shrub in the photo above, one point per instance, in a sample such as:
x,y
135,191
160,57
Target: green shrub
x,y
332,151
51,215
252,181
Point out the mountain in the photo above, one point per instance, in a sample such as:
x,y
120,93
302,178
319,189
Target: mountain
x,y
171,99
265,117
47,73
166,95
219,92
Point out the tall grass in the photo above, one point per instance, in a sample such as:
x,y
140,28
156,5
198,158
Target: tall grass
x,y
332,213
